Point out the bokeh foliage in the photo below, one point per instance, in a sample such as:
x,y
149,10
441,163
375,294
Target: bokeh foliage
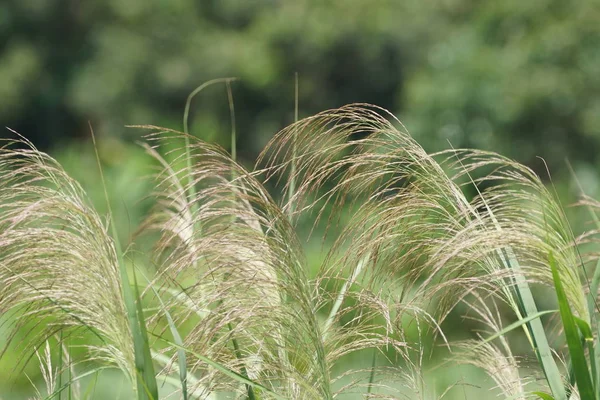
x,y
517,77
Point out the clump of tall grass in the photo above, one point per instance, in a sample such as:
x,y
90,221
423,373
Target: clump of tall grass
x,y
231,308
60,268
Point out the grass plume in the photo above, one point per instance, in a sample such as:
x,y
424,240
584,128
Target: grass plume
x,y
428,232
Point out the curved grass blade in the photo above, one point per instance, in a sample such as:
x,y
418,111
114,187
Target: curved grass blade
x,y
517,324
543,396
186,113
68,384
586,338
526,307
226,371
579,362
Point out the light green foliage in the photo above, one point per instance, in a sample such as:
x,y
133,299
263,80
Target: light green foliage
x,y
576,349
512,76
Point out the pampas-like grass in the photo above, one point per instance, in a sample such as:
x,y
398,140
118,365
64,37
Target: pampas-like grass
x,y
428,232
58,265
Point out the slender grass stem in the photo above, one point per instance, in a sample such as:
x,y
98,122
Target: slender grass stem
x,y
232,116
292,183
188,156
342,294
239,356
228,372
236,348
68,384
60,362
144,369
372,373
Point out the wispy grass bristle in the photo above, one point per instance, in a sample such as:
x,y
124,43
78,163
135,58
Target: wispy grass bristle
x,y
233,307
53,244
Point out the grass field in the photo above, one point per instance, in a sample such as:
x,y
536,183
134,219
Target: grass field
x,y
213,294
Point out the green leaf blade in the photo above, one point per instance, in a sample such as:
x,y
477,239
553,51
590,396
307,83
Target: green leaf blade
x,y
228,372
579,362
517,324
143,357
535,328
543,396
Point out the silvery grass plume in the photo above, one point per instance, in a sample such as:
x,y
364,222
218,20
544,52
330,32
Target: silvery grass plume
x,y
417,233
237,310
59,270
234,272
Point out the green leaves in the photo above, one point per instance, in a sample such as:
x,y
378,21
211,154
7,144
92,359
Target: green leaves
x,y
537,332
544,396
579,362
593,292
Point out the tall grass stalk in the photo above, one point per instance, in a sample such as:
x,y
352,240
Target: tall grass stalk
x,y
186,114
145,376
292,183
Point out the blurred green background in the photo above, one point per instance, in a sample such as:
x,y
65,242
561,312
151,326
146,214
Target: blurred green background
x,y
518,77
